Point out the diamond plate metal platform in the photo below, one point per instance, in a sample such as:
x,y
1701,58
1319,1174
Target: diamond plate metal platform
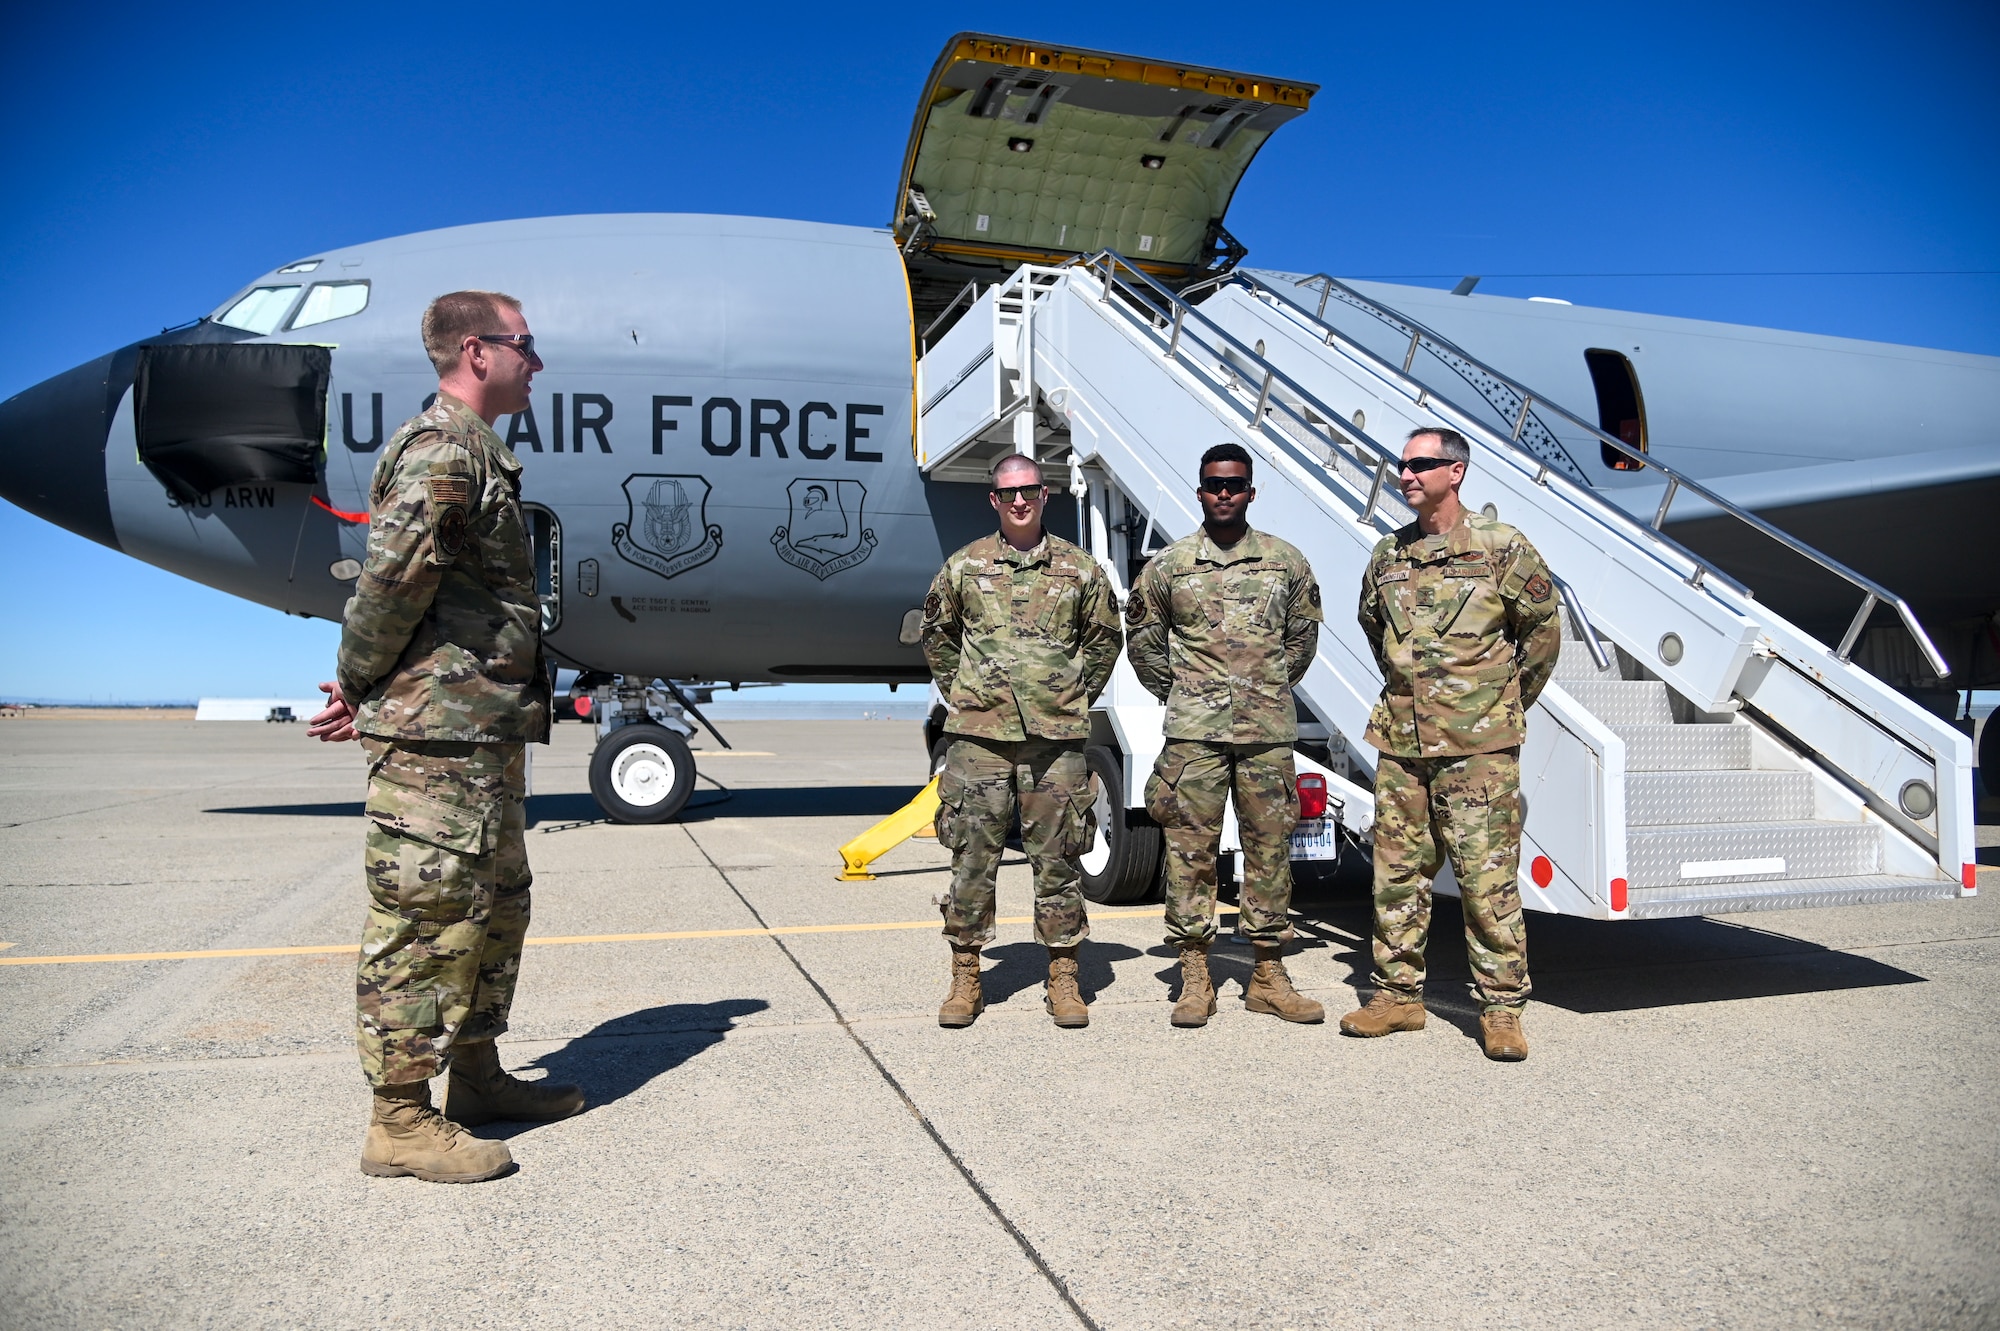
x,y
1664,856
1872,889
1623,702
1685,748
1665,798
1574,662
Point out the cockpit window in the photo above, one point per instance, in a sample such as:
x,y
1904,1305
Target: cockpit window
x,y
331,300
260,311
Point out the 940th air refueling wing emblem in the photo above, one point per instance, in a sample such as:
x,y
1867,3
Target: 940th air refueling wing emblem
x,y
668,531
824,535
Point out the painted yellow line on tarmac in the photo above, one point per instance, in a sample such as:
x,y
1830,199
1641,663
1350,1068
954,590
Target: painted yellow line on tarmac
x,y
325,949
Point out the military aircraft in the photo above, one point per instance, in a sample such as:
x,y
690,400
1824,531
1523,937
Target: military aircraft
x,y
722,458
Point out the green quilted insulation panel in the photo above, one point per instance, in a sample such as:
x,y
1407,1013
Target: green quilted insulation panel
x,y
1083,184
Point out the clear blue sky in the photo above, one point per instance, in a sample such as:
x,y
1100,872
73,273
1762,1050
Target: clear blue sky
x,y
156,158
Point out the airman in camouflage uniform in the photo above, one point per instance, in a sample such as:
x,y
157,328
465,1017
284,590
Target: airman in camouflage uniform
x,y
1221,625
1461,613
442,675
1021,634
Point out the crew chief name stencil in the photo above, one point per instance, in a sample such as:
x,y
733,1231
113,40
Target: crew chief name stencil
x,y
667,529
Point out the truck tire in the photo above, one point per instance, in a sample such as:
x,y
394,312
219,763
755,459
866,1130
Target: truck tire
x,y
642,774
1122,865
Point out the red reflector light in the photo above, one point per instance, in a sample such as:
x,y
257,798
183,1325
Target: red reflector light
x,y
583,708
1312,795
1970,877
1541,871
1618,896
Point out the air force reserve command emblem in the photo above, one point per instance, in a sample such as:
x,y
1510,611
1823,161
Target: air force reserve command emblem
x,y
824,535
668,531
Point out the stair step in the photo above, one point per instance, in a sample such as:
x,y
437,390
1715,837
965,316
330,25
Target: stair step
x,y
1623,702
1657,798
1684,748
1722,856
1801,894
1574,661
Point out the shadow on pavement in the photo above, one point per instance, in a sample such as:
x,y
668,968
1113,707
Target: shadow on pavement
x,y
349,809
1610,966
806,802
614,1059
1024,966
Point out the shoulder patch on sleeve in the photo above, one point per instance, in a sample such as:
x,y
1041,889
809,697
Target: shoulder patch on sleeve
x,y
1135,608
451,531
933,606
1538,589
1313,595
451,489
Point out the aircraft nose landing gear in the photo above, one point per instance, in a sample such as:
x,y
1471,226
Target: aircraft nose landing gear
x,y
642,770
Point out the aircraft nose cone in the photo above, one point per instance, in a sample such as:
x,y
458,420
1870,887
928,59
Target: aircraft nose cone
x,y
52,446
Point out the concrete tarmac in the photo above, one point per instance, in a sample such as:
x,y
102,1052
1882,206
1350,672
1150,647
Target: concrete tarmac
x,y
1763,1121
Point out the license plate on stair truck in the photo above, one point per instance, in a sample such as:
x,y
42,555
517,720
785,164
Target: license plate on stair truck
x,y
1313,839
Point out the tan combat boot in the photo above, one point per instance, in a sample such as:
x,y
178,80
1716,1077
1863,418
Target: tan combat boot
x,y
1062,999
480,1091
407,1136
1385,1015
966,1000
1271,991
1197,1003
1500,1035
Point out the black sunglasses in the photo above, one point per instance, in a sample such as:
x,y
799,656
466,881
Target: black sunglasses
x,y
1221,485
521,342
1421,465
1010,494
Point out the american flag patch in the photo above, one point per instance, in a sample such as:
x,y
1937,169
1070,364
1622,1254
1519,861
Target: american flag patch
x,y
451,490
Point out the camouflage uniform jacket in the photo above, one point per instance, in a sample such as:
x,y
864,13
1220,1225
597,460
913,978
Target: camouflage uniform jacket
x,y
1464,627
1020,642
1223,635
442,639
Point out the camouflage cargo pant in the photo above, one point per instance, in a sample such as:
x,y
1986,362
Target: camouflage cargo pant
x,y
448,880
983,782
1467,808
1185,795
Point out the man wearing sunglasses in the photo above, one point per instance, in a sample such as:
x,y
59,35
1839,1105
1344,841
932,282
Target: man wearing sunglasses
x,y
1222,625
1021,634
442,678
1462,616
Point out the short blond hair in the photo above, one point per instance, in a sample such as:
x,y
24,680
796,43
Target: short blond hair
x,y
449,318
1014,460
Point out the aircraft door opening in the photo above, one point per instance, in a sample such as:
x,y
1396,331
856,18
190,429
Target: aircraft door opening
x,y
1621,410
545,545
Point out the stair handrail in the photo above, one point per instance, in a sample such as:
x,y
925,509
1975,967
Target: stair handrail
x,y
1874,593
1385,460
1177,314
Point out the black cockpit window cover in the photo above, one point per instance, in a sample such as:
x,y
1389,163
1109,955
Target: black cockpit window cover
x,y
218,414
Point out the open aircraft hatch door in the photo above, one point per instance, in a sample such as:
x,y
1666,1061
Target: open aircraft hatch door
x,y
1033,154
219,414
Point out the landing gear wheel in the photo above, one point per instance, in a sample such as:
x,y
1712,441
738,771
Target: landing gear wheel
x,y
1123,863
642,774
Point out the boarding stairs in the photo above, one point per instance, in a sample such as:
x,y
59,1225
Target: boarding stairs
x,y
1696,754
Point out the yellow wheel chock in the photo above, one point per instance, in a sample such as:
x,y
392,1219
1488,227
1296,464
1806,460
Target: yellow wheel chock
x,y
913,819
